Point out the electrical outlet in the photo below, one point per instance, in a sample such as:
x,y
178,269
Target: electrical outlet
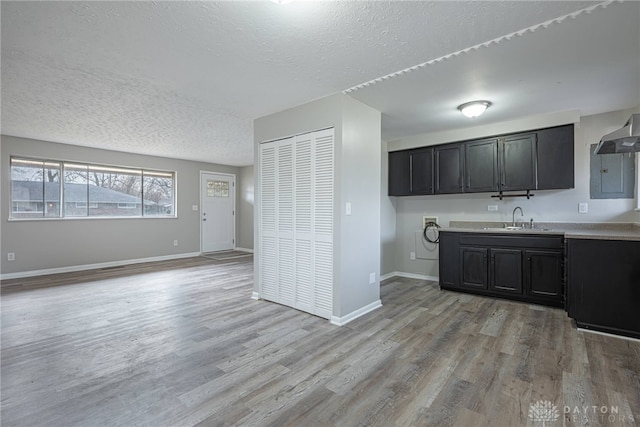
x,y
372,278
11,256
194,207
412,255
175,243
492,207
583,208
426,219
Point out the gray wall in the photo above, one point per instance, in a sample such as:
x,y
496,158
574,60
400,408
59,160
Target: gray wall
x,y
245,208
359,180
387,218
48,244
358,162
546,206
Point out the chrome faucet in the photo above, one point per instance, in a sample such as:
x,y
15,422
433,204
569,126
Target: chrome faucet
x,y
514,215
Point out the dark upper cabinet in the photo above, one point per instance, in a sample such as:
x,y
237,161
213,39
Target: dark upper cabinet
x,y
481,166
449,167
421,164
555,158
536,160
399,173
518,162
411,172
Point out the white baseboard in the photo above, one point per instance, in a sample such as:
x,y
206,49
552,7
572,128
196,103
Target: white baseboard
x,y
72,268
606,334
255,295
244,250
388,275
409,276
340,321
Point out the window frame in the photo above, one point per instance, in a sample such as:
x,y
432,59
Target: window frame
x,y
172,174
637,182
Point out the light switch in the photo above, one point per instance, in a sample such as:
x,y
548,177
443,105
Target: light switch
x,y
347,208
194,207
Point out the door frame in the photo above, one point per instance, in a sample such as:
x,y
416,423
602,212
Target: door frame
x,y
235,210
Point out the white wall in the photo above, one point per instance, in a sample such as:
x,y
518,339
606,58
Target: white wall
x,y
58,244
546,206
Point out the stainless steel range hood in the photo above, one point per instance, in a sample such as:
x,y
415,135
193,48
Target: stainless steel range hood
x,y
625,140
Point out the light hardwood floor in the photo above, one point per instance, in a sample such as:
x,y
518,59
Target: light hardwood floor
x,y
181,343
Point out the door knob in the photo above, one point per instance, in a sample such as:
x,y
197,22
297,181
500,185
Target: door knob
x,y
204,219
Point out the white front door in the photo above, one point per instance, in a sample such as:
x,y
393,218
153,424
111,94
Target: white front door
x,y
217,214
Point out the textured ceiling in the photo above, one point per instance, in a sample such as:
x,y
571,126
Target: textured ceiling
x,y
186,79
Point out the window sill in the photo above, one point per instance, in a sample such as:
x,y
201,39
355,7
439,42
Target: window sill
x,y
84,218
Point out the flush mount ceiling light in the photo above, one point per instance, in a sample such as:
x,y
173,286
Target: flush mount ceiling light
x,y
281,1
474,108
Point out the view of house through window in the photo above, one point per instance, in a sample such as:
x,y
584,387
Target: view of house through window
x,y
35,188
39,188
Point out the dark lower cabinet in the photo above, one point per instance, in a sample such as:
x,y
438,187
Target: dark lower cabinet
x,y
474,267
498,270
522,267
449,260
603,285
544,274
506,270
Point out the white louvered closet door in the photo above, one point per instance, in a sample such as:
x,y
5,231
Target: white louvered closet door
x,y
323,173
296,222
304,223
268,222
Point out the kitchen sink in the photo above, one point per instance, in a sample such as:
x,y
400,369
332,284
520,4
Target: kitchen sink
x,y
510,228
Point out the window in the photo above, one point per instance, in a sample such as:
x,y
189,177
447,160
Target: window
x,y
50,189
35,188
158,193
